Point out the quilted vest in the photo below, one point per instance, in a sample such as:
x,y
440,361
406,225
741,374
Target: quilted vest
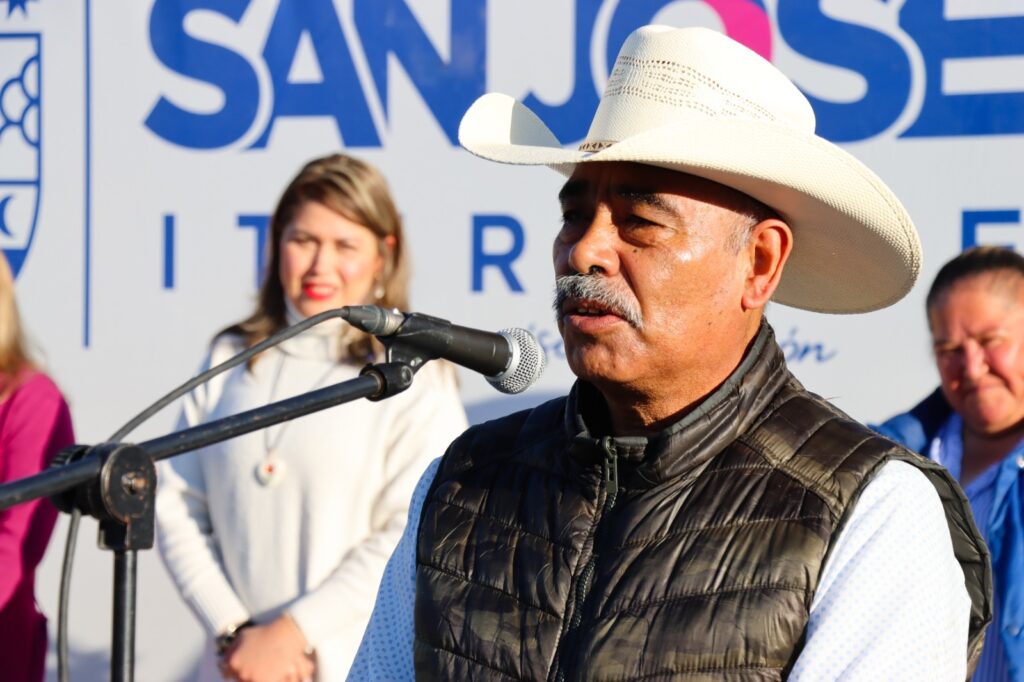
x,y
549,552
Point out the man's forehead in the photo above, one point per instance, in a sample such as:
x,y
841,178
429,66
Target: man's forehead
x,y
640,181
588,175
575,188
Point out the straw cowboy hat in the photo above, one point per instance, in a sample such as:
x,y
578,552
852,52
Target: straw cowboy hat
x,y
695,101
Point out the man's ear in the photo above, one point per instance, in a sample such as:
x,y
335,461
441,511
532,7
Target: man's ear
x,y
768,249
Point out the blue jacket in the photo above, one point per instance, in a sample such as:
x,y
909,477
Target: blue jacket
x,y
1004,527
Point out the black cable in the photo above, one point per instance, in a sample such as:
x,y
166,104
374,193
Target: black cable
x,y
65,589
69,547
258,348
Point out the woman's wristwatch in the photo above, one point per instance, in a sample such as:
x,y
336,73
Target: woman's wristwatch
x,y
227,638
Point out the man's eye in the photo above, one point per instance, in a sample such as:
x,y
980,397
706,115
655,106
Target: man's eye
x,y
638,221
573,225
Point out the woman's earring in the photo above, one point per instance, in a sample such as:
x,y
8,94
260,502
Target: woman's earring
x,y
378,291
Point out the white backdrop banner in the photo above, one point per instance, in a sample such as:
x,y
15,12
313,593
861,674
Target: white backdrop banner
x,y
144,143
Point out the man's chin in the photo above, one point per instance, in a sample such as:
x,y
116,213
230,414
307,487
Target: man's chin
x,y
600,365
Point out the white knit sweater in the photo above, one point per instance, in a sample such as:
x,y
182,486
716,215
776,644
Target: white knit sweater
x,y
315,543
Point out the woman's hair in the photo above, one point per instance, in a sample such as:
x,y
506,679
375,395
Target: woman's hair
x,y
13,351
357,191
978,260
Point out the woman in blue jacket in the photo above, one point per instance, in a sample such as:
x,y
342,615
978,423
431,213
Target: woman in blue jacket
x,y
973,424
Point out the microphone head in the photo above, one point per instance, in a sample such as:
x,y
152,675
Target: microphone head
x,y
526,365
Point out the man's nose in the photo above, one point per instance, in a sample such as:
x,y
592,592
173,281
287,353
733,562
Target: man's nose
x,y
596,249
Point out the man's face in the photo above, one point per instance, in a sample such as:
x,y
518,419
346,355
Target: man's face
x,y
663,307
978,338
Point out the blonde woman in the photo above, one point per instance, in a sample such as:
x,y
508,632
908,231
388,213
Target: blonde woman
x,y
34,425
277,539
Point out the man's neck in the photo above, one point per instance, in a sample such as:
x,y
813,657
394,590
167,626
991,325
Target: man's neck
x,y
645,417
646,410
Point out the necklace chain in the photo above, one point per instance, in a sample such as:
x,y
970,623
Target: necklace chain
x,y
270,470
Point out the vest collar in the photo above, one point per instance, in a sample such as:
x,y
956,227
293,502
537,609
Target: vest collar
x,y
685,447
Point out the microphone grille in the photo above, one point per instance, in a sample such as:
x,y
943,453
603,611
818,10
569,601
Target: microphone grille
x,y
527,362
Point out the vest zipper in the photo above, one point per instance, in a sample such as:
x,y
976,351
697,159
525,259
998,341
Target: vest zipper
x,y
610,483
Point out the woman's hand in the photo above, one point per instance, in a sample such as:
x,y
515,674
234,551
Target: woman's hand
x,y
275,652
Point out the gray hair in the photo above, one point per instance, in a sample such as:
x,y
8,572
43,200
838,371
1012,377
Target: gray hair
x,y
594,287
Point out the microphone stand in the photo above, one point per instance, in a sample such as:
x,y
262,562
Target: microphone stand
x,y
116,482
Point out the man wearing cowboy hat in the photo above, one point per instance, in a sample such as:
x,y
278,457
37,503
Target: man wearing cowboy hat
x,y
689,510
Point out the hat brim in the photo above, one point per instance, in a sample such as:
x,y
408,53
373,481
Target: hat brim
x,y
855,248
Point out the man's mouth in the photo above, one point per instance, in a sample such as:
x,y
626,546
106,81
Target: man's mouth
x,y
591,298
587,309
590,317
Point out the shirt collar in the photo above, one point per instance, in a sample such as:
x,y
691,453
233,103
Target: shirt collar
x,y
683,448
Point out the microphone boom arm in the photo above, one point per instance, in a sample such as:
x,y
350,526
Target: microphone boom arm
x,y
116,483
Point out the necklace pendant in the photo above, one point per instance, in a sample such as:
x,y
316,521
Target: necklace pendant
x,y
270,471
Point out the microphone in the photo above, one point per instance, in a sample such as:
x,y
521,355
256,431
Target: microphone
x,y
511,360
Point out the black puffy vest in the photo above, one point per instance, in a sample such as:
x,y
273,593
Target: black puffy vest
x,y
545,553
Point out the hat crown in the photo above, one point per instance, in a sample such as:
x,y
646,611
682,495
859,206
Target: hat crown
x,y
694,101
666,75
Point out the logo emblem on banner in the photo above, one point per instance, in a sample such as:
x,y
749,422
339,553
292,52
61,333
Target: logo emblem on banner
x,y
15,5
20,160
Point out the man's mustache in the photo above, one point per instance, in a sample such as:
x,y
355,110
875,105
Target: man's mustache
x,y
599,290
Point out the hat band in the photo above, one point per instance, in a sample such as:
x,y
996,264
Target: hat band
x,y
596,145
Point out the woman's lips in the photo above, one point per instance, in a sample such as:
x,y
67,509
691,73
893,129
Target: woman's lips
x,y
318,292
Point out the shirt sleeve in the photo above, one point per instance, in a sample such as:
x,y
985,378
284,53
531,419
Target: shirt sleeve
x,y
891,603
36,427
185,534
386,650
431,420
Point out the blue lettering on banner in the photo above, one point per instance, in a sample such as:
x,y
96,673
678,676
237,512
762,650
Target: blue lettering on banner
x,y
501,260
570,119
214,64
259,224
971,220
797,350
876,57
389,33
941,39
338,95
389,28
168,251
